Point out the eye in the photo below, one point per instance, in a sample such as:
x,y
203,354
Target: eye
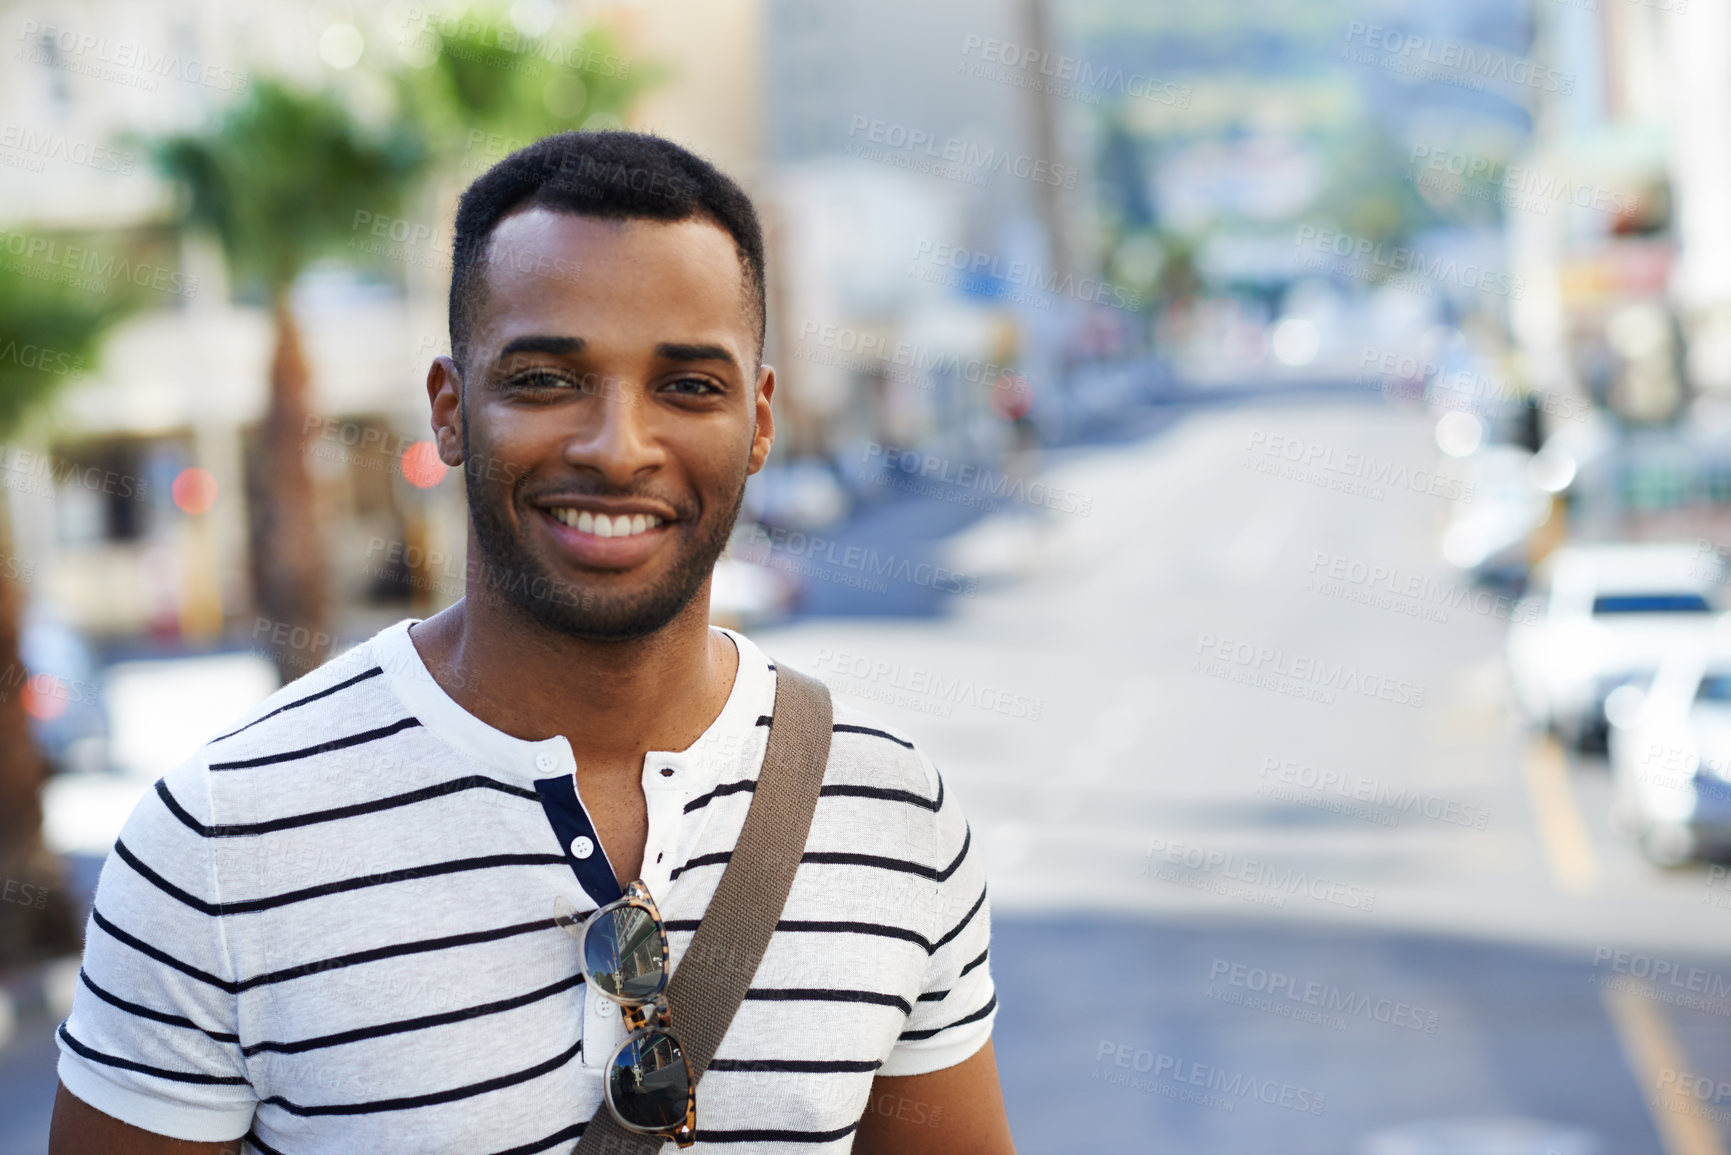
x,y
693,387
535,380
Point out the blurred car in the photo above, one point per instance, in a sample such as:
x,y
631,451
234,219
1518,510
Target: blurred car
x,y
1604,616
63,695
1489,537
1671,754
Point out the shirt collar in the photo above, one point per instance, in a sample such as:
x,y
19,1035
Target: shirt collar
x,y
731,745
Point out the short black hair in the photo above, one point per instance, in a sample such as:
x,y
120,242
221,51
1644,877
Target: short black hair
x,y
616,175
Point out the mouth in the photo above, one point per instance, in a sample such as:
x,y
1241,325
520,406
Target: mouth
x,y
597,539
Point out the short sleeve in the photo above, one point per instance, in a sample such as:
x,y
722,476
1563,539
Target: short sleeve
x,y
953,1018
153,1038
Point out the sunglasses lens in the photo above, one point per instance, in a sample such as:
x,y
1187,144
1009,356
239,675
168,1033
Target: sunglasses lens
x,y
650,1083
626,952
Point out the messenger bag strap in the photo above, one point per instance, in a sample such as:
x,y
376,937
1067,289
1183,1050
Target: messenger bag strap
x,y
719,964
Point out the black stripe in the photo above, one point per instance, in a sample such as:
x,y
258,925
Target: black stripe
x,y
96,1056
145,1012
880,793
372,673
161,956
360,739
966,919
252,1137
800,1066
395,950
574,1131
320,966
439,790
934,996
887,795
746,786
976,962
766,1136
410,1102
912,1036
817,927
764,719
405,1025
270,902
826,995
844,728
842,858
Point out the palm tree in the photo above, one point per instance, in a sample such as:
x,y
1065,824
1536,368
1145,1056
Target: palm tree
x,y
279,179
48,333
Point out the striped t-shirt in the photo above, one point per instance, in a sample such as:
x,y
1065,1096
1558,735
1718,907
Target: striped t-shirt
x,y
332,931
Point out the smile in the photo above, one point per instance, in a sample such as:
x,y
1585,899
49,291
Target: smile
x,y
601,525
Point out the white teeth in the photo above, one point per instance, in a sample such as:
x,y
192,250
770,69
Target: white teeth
x,y
601,525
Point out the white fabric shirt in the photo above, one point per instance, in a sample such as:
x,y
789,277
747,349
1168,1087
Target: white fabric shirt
x,y
332,929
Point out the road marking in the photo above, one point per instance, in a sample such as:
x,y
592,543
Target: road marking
x,y
1651,1047
1563,831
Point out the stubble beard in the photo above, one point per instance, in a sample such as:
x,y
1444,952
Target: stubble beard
x,y
559,605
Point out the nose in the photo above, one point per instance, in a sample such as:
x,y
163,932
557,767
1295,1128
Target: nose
x,y
615,439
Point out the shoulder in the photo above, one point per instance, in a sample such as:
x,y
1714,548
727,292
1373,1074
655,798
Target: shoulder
x,y
347,693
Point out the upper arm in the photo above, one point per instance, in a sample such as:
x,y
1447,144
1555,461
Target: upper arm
x,y
956,1111
153,1037
80,1129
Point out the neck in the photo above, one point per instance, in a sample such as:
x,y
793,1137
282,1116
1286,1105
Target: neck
x,y
613,701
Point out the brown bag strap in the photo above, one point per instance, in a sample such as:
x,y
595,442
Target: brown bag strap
x,y
717,968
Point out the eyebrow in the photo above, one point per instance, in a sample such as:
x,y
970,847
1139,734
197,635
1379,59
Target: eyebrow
x,y
557,346
674,352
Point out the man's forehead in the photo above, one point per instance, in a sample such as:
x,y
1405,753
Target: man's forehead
x,y
538,258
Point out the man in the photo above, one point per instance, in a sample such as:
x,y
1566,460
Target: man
x,y
332,931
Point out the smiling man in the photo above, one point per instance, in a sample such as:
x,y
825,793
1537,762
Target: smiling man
x,y
332,930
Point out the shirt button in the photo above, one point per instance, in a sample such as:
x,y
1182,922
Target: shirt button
x,y
546,760
582,846
605,1007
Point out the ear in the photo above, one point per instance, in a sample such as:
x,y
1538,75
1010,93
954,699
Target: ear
x,y
445,392
763,431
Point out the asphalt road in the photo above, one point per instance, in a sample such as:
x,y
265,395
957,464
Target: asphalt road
x,y
1274,868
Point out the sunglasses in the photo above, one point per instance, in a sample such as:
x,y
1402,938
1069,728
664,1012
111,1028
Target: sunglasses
x,y
623,953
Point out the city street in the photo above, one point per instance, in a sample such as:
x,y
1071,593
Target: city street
x,y
1274,868
1277,913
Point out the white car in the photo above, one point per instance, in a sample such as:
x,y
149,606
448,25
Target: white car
x,y
1671,754
1604,616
